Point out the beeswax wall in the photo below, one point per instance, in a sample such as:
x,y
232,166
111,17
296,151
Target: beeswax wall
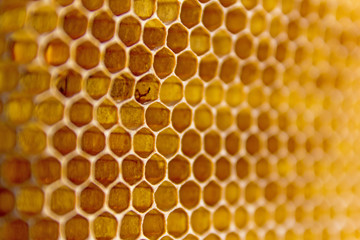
x,y
167,119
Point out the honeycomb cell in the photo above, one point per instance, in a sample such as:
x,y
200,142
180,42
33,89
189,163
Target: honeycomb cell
x,y
189,194
87,55
75,24
64,3
232,143
243,46
143,142
263,49
132,115
18,109
178,169
49,111
181,117
56,52
47,170
261,216
293,30
15,229
7,201
62,200
103,27
31,139
186,65
119,7
29,200
13,17
273,144
214,93
166,196
92,5
191,237
153,224
223,169
93,141
221,43
164,62
81,112
213,16
78,170
130,226
190,13
106,114
212,143
119,141
203,117
171,91
147,89
252,192
23,47
222,218
144,9
119,197
281,51
45,228
92,198
232,193
270,5
194,91
249,73
224,118
8,141
256,97
167,142
122,88
200,220
235,20
257,23
199,41
106,170
208,67
168,10
34,80
114,58
212,194
228,69
177,37
105,226
142,197
157,116
202,168
177,223
129,30
227,3
155,169
264,121
242,168
271,191
77,228
9,76
154,34
280,214
244,119
269,75
132,169
241,217
69,83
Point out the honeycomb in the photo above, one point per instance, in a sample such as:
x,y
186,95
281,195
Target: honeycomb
x,y
168,119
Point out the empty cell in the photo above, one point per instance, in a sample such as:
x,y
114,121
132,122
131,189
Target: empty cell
x,y
119,141
212,193
190,13
200,41
107,114
78,170
252,192
97,85
186,65
221,43
178,169
29,200
23,47
47,170
228,69
15,229
191,143
155,169
241,217
119,7
244,46
202,168
49,111
257,23
105,226
132,169
181,117
157,116
200,220
232,143
177,223
92,198
242,168
114,58
214,93
143,142
56,52
232,193
194,91
62,200
45,228
77,227
7,200
92,5
153,224
106,170
203,117
177,37
122,87
189,194
119,197
132,115
167,142
75,24
103,27
87,55
244,119
130,226
147,89
81,112
93,141
18,109
154,34
164,62
129,30
208,67
142,197
222,217
34,80
31,139
69,83
223,169
224,118
166,196
235,20
168,10
171,91
212,143
144,8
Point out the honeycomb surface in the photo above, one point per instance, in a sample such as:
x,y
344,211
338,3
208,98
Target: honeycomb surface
x,y
167,119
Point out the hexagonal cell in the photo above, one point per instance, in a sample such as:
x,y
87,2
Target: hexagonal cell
x,y
29,200
157,116
190,143
23,47
77,227
212,143
264,121
132,115
261,216
262,168
186,65
106,170
244,119
190,13
142,197
242,168
214,93
200,41
232,143
129,30
202,168
154,34
47,170
119,7
249,4
81,112
273,144
155,169
228,69
41,15
227,3
241,217
64,140
243,46
213,16
190,194
171,91
263,49
18,109
166,196
122,87
232,192
143,142
203,117
212,193
253,144
235,236
106,114
224,118
34,80
26,138
257,23
75,24
92,198
271,191
132,169
87,55
119,197
208,67
294,29
177,223
7,201
62,200
181,117
281,51
235,95
130,226
93,141
69,83
15,170
167,142
276,26
45,228
78,170
12,72
252,192
103,27
119,141
235,20
178,169
147,89
15,229
222,43
212,236
222,217
153,224
92,5
177,38
49,111
144,8
223,168
114,58
105,226
194,91
168,10
56,52
164,62
200,220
